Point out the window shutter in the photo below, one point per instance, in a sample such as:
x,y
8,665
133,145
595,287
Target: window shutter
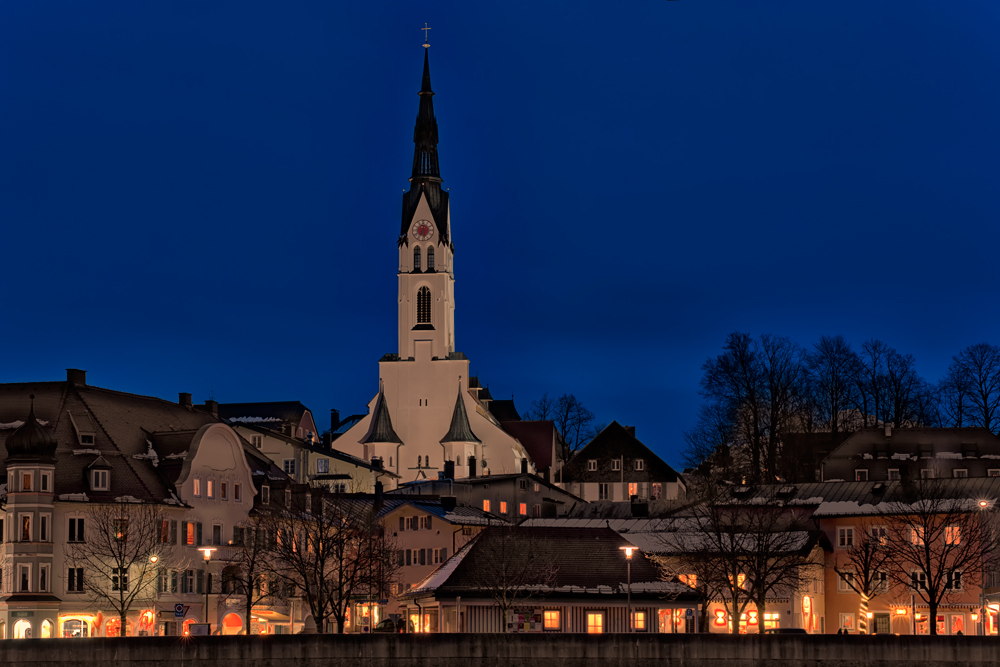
x,y
402,524
401,558
79,530
199,534
428,522
423,557
184,532
444,554
408,557
199,579
72,535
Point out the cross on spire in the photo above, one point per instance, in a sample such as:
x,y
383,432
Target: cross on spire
x,y
425,29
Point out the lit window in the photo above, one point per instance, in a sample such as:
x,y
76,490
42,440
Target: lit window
x,y
657,491
616,464
847,621
551,620
523,509
210,488
993,472
633,489
845,538
197,487
595,622
689,579
952,535
26,481
486,506
638,620
591,465
503,507
861,475
917,536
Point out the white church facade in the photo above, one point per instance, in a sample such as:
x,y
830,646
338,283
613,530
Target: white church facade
x,y
424,413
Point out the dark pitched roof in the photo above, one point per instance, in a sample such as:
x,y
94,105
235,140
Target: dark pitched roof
x,y
617,440
31,440
460,430
276,411
503,409
537,437
380,427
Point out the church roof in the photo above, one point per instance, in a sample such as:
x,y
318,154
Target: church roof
x,y
503,409
460,430
380,428
31,440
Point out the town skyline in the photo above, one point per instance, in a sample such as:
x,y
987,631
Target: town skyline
x,y
205,202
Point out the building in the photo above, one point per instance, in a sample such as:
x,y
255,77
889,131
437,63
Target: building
x,y
583,582
288,417
426,411
616,466
887,454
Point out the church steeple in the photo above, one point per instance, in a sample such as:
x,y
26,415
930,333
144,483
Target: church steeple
x,y
425,133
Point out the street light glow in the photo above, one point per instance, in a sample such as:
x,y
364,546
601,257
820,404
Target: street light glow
x,y
628,551
208,552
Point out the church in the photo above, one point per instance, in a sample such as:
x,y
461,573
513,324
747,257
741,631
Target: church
x,y
425,413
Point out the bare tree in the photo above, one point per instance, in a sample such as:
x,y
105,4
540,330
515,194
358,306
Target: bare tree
x,y
939,541
119,556
863,565
870,382
249,565
508,564
976,369
573,420
707,445
956,401
833,367
328,549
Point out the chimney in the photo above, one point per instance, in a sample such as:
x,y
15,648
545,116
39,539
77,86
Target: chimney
x,y
441,476
378,496
449,470
524,466
328,441
472,466
76,376
184,399
888,430
334,419
449,503
212,407
630,430
377,462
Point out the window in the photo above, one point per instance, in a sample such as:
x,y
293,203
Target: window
x,y
289,466
74,580
121,530
616,464
257,441
844,581
522,509
847,622
265,494
893,474
522,484
880,582
423,306
86,438
424,523
238,492
486,506
43,578
416,258
75,533
595,622
689,579
99,480
536,511
861,475
26,481
993,472
322,466
953,580
187,583
25,577
604,492
879,533
550,620
640,464
503,507
210,488
633,489
224,490
197,487
845,537
591,465
917,536
119,579
217,535
638,620
45,482
952,535
26,528
430,259
960,472
657,491
43,528
927,473
918,580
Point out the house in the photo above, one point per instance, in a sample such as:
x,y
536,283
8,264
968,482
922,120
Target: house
x,y
543,443
559,580
288,417
887,454
616,466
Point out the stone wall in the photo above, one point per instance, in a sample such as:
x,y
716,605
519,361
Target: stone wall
x,y
505,651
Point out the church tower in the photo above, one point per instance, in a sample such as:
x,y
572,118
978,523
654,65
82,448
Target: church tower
x,y
426,276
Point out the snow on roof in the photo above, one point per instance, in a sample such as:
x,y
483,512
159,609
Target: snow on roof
x,y
439,576
948,455
852,508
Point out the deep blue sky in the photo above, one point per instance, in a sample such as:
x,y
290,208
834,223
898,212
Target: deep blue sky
x,y
205,197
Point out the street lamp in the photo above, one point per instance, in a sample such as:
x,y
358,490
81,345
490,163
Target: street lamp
x,y
208,556
981,626
628,559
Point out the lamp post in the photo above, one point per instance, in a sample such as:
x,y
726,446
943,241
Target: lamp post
x,y
981,628
208,557
628,560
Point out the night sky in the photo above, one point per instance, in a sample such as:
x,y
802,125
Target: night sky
x,y
205,196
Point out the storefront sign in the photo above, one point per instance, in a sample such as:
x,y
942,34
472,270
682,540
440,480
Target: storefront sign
x,y
22,614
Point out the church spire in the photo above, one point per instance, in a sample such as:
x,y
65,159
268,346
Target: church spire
x,y
425,133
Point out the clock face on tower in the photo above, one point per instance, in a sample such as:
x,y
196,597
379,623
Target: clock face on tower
x,y
422,229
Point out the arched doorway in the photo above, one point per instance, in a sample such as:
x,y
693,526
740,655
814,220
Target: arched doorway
x,y
22,629
46,629
232,624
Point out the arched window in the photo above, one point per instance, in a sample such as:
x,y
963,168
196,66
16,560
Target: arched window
x,y
416,259
423,306
430,259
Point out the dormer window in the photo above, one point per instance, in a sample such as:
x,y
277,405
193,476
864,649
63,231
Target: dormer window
x,y
265,495
98,480
86,438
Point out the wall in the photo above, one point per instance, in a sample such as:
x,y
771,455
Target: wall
x,y
505,650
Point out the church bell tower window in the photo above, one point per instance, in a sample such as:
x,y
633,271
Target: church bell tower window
x,y
423,306
430,259
416,259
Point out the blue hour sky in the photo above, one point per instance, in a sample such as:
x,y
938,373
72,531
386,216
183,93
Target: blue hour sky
x,y
205,197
